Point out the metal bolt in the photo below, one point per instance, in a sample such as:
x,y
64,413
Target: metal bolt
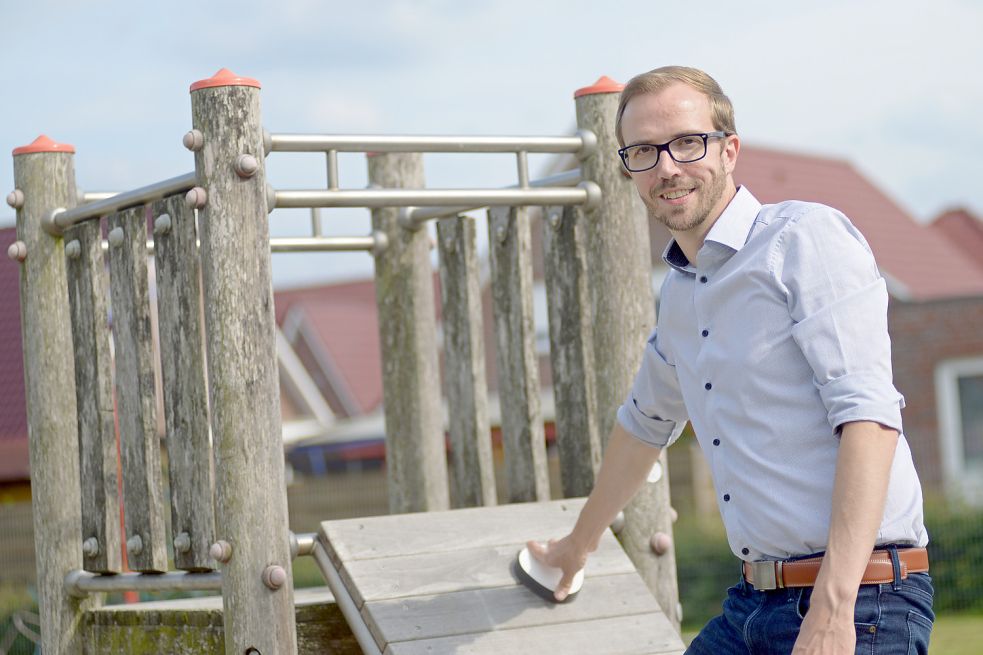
x,y
134,545
15,198
90,547
17,251
660,543
116,237
73,249
196,198
221,551
162,224
182,543
274,576
554,219
246,166
193,140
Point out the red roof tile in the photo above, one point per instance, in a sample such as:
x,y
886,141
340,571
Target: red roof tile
x,y
962,229
920,258
13,409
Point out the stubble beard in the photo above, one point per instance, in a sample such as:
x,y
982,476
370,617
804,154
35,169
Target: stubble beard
x,y
682,219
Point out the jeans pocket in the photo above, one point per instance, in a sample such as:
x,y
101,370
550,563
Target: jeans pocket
x,y
919,632
802,603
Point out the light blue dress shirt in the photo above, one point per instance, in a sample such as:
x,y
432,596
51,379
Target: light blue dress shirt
x,y
769,342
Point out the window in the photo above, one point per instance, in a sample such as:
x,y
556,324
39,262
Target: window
x,y
959,395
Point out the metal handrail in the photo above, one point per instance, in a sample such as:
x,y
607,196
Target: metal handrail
x,y
376,198
582,143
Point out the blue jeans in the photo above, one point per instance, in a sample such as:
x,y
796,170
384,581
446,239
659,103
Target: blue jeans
x,y
890,618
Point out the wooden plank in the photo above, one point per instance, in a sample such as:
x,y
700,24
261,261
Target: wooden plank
x,y
503,608
244,389
518,369
369,538
416,456
473,480
460,570
98,452
143,514
184,387
622,635
571,349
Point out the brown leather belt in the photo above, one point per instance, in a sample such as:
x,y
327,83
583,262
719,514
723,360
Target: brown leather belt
x,y
767,575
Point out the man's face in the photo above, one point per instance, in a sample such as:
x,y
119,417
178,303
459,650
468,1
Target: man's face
x,y
681,196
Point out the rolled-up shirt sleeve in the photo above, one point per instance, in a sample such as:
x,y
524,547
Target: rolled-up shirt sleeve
x,y
838,303
654,411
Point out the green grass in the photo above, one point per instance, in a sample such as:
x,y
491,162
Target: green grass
x,y
954,634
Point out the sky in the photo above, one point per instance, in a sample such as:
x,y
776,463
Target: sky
x,y
891,86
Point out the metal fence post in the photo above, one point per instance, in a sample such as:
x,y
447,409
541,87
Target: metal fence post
x,y
45,176
620,289
251,496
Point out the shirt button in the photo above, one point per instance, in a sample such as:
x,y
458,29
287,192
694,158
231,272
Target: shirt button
x,y
745,551
705,333
716,442
726,498
708,386
703,279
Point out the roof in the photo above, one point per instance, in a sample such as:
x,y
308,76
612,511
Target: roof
x,y
924,263
963,230
13,409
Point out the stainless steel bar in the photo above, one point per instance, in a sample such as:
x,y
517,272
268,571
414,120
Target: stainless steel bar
x,y
80,583
522,167
332,162
149,193
372,143
440,197
305,543
316,221
324,244
345,602
416,215
92,196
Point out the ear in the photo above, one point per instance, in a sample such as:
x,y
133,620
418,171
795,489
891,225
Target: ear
x,y
732,146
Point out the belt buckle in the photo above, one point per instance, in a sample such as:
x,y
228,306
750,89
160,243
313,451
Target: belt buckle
x,y
765,574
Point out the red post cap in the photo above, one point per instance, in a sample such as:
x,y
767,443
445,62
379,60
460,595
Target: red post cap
x,y
604,84
44,144
225,77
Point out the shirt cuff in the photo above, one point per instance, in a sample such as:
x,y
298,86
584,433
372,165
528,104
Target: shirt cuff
x,y
651,430
862,397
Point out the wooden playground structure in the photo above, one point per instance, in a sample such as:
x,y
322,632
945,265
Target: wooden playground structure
x,y
424,579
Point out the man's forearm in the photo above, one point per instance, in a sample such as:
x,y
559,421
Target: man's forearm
x,y
627,463
863,469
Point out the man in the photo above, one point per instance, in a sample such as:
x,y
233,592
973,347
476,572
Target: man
x,y
773,341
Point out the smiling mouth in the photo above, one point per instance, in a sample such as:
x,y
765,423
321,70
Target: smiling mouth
x,y
675,194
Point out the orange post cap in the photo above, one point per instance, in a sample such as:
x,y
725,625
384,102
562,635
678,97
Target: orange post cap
x,y
604,84
224,77
44,144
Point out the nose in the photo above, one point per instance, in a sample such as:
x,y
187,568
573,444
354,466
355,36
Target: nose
x,y
666,168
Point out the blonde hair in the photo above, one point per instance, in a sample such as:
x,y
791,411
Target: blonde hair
x,y
654,81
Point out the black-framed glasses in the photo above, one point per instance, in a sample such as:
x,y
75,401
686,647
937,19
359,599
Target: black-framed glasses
x,y
683,149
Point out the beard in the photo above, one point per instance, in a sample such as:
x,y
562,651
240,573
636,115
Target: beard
x,y
682,219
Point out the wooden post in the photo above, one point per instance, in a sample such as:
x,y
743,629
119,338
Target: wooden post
x,y
571,349
619,280
415,447
183,374
510,253
464,366
98,454
44,173
247,438
143,511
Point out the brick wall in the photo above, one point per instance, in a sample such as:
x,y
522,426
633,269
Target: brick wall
x,y
924,334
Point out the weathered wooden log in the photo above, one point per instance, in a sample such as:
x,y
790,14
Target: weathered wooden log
x,y
473,481
571,349
143,494
623,309
415,447
98,451
184,386
523,440
44,173
250,491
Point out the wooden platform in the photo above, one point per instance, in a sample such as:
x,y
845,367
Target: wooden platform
x,y
441,582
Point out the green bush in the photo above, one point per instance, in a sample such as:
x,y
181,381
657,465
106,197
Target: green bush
x,y
955,553
705,568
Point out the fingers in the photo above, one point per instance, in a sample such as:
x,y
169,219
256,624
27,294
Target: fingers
x,y
563,589
538,550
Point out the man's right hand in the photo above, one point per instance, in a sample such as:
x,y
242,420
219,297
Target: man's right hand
x,y
562,554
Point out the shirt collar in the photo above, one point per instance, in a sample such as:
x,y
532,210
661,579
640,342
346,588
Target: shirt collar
x,y
731,229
